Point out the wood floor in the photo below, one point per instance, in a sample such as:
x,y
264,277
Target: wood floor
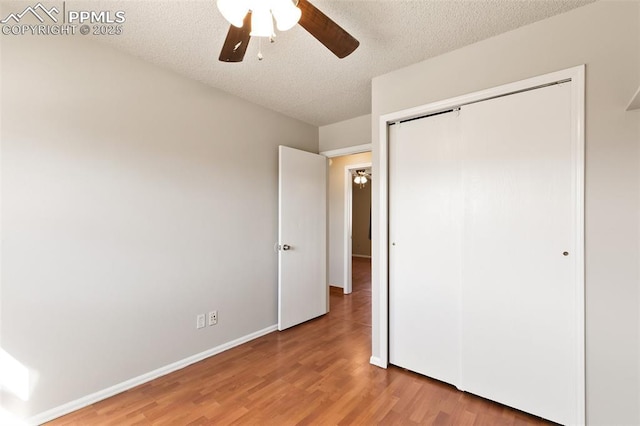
x,y
317,373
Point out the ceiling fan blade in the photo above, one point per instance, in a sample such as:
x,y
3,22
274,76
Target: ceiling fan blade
x,y
235,45
327,32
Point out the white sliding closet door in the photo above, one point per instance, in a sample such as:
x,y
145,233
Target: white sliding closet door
x,y
518,304
482,256
426,207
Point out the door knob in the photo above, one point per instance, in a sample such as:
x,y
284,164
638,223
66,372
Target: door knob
x,y
286,247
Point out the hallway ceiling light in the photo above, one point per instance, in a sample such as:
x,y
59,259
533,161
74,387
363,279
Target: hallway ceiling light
x,y
360,177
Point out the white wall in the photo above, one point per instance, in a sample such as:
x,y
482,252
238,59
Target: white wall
x,y
606,37
132,200
336,214
348,133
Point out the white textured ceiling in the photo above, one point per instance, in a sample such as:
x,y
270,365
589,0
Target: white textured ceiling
x,y
298,76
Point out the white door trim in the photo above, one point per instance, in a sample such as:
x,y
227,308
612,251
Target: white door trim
x,y
348,223
380,309
350,150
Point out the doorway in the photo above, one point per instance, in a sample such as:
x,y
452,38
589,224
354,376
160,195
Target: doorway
x,y
357,219
342,165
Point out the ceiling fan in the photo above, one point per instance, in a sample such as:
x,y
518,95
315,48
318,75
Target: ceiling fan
x,y
255,18
360,177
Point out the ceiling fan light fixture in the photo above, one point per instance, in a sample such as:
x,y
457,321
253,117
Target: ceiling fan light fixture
x,y
286,13
360,180
360,177
261,22
233,11
260,15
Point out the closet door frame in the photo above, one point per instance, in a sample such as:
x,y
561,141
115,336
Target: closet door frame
x,y
380,309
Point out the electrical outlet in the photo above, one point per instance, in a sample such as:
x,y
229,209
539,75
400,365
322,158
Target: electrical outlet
x,y
200,321
213,317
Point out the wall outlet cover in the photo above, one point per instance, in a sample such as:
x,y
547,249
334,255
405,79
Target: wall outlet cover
x,y
213,317
200,321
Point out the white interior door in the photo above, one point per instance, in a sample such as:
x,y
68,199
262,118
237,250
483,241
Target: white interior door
x,y
483,227
425,204
519,302
302,240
